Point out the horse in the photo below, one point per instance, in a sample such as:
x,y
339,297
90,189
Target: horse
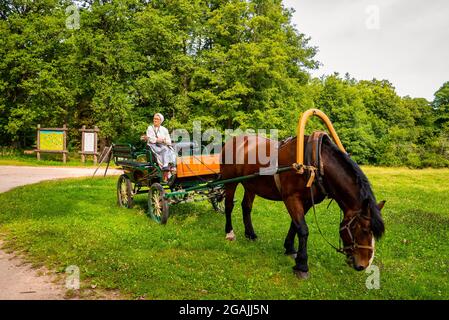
x,y
343,181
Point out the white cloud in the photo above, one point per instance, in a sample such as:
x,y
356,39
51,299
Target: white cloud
x,y
410,48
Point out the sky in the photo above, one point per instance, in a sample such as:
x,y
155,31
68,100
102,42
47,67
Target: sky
x,y
403,41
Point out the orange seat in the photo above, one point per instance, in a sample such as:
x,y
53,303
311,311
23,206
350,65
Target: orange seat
x,y
197,165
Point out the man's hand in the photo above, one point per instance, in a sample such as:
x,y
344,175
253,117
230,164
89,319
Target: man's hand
x,y
144,138
160,140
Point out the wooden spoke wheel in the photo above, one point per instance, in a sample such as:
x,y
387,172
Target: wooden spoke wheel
x,y
157,204
124,192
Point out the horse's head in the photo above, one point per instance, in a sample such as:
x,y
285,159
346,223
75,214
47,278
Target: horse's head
x,y
358,231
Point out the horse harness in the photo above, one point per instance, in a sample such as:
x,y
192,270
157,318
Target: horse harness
x,y
313,165
315,168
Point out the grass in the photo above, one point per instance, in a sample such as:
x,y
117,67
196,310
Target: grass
x,y
77,223
73,160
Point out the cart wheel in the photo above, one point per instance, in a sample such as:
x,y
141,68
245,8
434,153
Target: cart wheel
x,y
218,204
157,204
124,192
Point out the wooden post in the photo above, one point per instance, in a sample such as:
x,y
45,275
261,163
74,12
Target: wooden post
x,y
38,143
64,152
83,157
95,144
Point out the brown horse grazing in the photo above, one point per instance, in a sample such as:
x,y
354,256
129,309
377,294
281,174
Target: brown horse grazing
x,y
342,181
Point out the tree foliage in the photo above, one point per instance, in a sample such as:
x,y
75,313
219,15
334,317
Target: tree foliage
x,y
228,63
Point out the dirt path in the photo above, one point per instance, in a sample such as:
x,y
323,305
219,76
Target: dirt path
x,y
17,279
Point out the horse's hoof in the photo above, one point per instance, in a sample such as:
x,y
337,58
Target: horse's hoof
x,y
251,236
230,236
301,274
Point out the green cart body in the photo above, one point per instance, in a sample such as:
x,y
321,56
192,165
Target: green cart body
x,y
142,174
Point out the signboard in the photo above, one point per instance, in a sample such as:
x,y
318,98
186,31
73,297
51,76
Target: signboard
x,y
89,142
51,140
89,138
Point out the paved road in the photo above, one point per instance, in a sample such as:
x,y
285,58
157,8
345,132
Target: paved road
x,y
17,279
14,176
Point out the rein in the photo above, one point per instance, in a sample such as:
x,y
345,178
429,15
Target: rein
x,y
340,249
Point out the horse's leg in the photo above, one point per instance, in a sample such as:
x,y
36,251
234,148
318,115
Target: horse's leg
x,y
247,205
296,210
289,243
229,206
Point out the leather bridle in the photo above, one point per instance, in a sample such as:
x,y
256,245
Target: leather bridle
x,y
347,227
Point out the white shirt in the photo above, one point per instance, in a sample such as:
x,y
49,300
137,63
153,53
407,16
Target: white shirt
x,y
160,132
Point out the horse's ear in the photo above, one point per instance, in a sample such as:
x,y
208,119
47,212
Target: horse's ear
x,y
381,204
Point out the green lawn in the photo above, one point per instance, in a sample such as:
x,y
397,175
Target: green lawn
x,y
13,161
76,222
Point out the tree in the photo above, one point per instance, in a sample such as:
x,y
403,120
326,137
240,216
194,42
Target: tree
x,y
228,63
251,65
441,105
341,101
33,87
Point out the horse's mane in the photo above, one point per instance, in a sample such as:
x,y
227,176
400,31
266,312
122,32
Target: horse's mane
x,y
367,197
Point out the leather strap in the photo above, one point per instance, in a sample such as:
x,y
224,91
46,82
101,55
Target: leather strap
x,y
311,178
313,159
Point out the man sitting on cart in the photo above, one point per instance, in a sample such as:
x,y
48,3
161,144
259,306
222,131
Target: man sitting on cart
x,y
159,141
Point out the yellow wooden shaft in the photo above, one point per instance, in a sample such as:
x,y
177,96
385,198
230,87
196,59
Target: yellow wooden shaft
x,y
301,130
